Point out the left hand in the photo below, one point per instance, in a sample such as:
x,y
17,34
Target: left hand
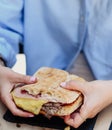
x,y
97,95
8,79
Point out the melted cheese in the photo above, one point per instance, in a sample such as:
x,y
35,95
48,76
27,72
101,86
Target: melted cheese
x,y
30,105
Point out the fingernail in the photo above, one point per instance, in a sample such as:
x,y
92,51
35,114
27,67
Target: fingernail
x,y
31,115
63,84
33,79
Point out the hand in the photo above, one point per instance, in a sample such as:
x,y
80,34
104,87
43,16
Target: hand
x,y
8,79
97,95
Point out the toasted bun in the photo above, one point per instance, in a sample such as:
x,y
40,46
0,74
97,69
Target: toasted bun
x,y
48,87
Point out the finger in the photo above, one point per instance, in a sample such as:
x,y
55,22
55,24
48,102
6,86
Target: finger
x,y
75,121
78,120
68,120
74,85
20,78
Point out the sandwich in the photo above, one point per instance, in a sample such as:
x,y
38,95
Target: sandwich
x,y
46,96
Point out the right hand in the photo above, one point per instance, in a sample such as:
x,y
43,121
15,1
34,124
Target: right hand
x,y
8,79
97,95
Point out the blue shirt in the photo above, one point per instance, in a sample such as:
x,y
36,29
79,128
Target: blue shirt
x,y
55,31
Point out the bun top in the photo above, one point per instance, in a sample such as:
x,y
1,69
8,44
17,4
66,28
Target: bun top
x,y
48,86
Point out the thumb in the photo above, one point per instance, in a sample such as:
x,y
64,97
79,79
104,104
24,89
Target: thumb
x,y
74,85
20,78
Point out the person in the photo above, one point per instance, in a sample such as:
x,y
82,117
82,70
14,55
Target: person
x,y
53,33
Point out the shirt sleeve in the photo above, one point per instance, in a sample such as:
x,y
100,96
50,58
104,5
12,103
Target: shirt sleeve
x,y
11,29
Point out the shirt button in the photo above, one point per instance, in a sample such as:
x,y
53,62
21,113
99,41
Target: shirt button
x,y
82,19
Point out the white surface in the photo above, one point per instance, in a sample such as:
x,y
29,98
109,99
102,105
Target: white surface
x,y
20,65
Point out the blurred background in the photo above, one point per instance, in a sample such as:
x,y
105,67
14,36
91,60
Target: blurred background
x,y
20,65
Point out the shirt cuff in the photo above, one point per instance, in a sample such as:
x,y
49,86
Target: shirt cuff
x,y
7,53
